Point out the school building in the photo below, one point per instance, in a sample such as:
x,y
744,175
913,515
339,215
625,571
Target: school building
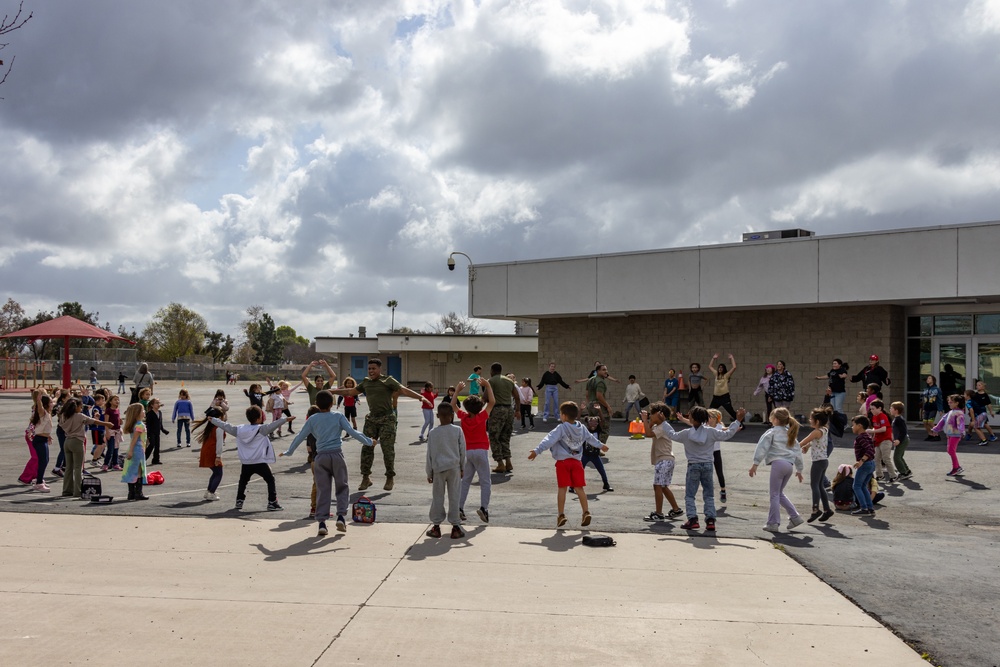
x,y
442,359
921,299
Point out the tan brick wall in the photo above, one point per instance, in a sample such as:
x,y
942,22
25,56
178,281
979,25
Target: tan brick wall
x,y
807,339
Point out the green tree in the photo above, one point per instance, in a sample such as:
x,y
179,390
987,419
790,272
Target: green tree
x,y
245,351
175,331
266,346
219,347
287,336
11,317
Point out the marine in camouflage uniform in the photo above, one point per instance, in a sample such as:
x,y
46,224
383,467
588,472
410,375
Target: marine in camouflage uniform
x,y
597,388
500,425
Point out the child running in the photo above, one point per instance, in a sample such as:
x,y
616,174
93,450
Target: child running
x,y
900,440
662,457
982,410
953,425
816,444
445,466
565,443
699,442
350,403
477,449
779,449
329,466
253,445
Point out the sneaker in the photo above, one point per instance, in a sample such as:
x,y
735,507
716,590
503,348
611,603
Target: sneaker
x,y
341,524
815,515
484,514
959,471
953,472
239,504
795,521
722,496
772,528
435,531
42,488
861,511
673,514
347,436
993,438
608,489
893,480
585,519
560,521
457,532
983,443
312,513
209,496
710,525
116,468
880,478
461,514
653,516
968,436
58,472
691,524
825,516
104,468
274,507
322,532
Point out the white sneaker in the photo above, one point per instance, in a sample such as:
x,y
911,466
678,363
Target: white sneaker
x,y
772,528
42,488
210,496
795,521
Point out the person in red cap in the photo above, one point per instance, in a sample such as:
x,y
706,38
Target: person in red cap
x,y
872,374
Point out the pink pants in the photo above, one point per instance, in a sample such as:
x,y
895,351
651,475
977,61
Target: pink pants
x,y
953,451
31,469
276,413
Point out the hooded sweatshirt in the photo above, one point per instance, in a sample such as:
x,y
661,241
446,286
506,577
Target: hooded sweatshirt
x,y
252,443
566,441
699,441
773,446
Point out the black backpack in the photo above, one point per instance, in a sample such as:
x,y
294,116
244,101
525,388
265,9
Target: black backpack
x,y
838,424
598,541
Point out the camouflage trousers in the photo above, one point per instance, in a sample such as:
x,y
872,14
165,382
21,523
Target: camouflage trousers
x,y
382,429
500,426
597,410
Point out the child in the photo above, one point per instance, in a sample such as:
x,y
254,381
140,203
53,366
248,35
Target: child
x,y
633,392
41,419
114,435
672,391
721,397
779,449
97,431
285,390
350,403
527,394
154,427
276,403
74,424
329,466
183,415
715,421
449,397
565,442
695,378
135,456
764,385
699,442
661,455
933,403
211,451
900,440
253,444
982,410
445,466
872,394
864,452
882,434
843,488
816,444
256,395
953,425
220,403
477,449
428,409
862,400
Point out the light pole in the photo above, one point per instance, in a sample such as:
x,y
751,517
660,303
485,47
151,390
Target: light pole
x,y
472,273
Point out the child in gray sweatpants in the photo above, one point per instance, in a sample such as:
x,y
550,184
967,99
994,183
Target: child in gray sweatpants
x,y
445,462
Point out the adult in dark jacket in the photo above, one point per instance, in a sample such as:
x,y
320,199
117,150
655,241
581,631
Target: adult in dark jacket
x,y
872,374
781,386
551,380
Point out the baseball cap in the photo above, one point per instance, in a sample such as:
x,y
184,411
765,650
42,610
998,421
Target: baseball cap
x,y
874,357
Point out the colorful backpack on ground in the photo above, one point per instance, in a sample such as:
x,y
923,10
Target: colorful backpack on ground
x,y
364,511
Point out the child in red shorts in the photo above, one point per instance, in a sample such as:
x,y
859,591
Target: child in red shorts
x,y
565,443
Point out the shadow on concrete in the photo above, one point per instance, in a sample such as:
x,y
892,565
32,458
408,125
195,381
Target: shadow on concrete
x,y
301,468
358,495
432,547
829,531
911,485
894,491
295,524
310,546
793,540
187,504
560,540
876,523
724,514
975,486
709,541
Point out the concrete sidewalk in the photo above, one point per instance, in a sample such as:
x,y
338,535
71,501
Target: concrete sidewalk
x,y
220,591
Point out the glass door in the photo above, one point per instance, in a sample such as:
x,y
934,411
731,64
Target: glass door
x,y
952,366
988,369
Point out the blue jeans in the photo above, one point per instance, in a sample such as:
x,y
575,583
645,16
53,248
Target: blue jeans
x,y
186,425
551,399
111,452
628,407
701,474
61,437
598,464
862,480
837,401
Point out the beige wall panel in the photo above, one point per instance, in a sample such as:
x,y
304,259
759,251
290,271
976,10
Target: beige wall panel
x,y
660,280
778,273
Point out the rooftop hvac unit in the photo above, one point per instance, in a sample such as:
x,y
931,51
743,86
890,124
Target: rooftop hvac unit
x,y
775,235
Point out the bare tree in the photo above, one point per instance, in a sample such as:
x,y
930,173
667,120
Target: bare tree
x,y
10,25
459,324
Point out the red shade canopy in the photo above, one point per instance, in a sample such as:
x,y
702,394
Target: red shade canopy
x,y
65,327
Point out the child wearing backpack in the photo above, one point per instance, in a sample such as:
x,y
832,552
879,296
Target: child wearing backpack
x,y
565,443
253,445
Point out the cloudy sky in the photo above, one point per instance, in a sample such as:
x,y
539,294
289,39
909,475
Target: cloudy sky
x,y
320,158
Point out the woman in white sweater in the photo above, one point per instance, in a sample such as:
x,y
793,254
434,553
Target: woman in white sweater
x,y
779,449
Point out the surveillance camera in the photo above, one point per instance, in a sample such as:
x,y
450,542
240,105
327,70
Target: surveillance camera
x,y
451,263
